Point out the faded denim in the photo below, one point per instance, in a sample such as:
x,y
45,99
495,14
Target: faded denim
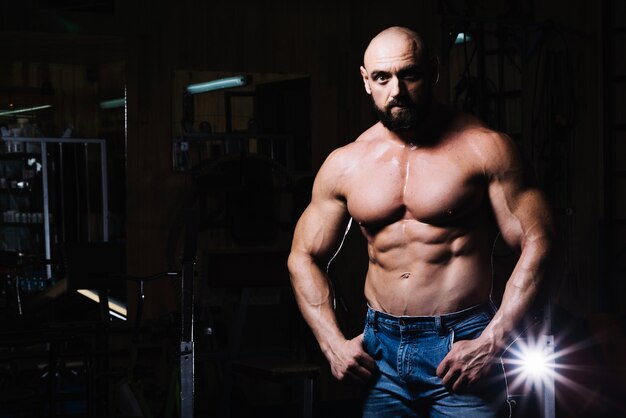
x,y
408,351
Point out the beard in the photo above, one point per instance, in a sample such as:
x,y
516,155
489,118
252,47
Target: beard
x,y
408,114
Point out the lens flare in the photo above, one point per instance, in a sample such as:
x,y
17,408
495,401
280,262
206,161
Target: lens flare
x,y
566,369
531,362
535,364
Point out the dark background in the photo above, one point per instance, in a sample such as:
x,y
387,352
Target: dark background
x,y
551,74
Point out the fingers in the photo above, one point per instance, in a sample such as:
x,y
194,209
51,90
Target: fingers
x,y
364,365
354,371
367,361
361,356
443,367
360,373
455,380
449,376
460,368
356,364
459,384
450,371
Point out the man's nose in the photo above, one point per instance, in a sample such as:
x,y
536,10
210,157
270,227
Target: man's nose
x,y
397,88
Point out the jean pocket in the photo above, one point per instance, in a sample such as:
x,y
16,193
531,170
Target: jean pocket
x,y
369,339
472,327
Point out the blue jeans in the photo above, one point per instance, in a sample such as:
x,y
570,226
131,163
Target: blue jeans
x,y
408,351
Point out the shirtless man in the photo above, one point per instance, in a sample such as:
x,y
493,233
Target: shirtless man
x,y
429,188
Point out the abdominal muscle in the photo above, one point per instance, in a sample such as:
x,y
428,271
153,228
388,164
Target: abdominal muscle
x,y
417,269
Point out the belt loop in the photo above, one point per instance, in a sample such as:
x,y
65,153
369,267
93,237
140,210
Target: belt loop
x,y
371,319
439,325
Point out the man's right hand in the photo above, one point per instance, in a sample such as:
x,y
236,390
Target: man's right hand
x,y
349,361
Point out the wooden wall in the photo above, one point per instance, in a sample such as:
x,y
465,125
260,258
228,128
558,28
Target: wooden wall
x,y
320,39
325,42
73,90
317,39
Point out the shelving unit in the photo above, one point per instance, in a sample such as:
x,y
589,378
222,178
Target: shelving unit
x,y
35,203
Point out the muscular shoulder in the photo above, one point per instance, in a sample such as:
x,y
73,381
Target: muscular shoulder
x,y
330,180
495,153
342,164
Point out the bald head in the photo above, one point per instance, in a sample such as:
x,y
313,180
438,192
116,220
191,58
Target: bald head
x,y
399,75
393,43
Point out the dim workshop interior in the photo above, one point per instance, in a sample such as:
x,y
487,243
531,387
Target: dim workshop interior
x,y
155,159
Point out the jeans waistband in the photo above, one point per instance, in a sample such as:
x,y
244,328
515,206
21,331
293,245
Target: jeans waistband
x,y
426,323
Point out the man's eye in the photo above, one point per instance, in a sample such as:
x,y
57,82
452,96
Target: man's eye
x,y
412,76
380,77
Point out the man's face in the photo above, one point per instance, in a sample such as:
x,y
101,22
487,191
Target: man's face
x,y
399,81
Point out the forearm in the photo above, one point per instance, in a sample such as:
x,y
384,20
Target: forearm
x,y
519,294
315,299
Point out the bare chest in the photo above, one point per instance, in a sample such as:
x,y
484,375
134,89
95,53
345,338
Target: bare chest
x,y
432,189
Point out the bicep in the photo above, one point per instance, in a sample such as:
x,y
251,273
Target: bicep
x,y
322,225
320,229
520,211
520,207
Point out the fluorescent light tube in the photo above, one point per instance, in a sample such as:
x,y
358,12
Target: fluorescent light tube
x,y
113,104
222,83
23,110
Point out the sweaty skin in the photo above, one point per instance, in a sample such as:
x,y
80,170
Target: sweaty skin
x,y
429,200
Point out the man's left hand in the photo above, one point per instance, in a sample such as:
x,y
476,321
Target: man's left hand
x,y
467,362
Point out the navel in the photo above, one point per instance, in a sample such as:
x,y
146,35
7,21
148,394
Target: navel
x,y
405,275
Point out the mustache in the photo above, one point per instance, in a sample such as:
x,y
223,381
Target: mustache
x,y
400,102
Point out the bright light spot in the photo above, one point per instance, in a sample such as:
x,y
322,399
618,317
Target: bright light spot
x,y
118,316
535,363
531,362
462,38
114,305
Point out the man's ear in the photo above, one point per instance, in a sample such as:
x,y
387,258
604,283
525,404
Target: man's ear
x,y
434,69
365,79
